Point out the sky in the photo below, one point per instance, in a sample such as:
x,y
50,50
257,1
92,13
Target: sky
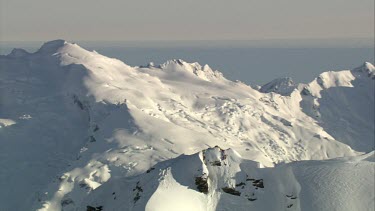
x,y
125,20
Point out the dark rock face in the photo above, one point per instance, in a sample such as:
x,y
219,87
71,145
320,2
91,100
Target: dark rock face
x,y
90,208
201,183
138,190
231,191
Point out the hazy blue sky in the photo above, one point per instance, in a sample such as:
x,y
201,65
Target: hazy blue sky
x,y
27,20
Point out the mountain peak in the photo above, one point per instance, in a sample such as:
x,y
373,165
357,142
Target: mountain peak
x,y
203,72
366,68
52,46
18,52
283,86
369,66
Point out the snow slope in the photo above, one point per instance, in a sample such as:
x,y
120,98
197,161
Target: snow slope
x,y
74,121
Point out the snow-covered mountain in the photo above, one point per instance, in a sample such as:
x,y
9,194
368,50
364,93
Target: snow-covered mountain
x,y
83,131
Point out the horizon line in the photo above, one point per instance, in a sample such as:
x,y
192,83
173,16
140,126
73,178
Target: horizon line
x,y
203,40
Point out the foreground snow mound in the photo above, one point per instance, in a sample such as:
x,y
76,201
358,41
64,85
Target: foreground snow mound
x,y
73,121
217,179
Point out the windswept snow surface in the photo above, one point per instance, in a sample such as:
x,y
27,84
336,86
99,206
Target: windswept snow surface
x,y
79,130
